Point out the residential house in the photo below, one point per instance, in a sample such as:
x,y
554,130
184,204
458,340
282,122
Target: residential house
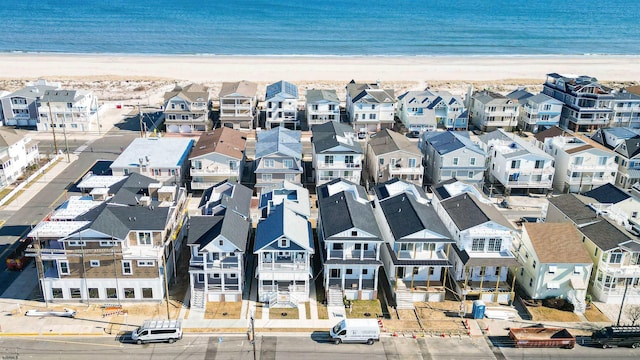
x,y
350,241
625,143
623,207
426,111
587,103
218,155
370,108
541,137
281,105
392,155
238,104
217,240
519,95
186,109
417,243
294,196
626,109
516,164
337,154
21,107
614,251
17,152
120,244
284,249
278,158
452,155
580,163
483,251
322,106
161,158
554,263
73,110
490,111
538,112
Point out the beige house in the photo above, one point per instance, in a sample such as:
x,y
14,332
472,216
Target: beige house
x,y
217,156
238,104
392,155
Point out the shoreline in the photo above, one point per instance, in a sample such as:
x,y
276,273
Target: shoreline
x,y
261,68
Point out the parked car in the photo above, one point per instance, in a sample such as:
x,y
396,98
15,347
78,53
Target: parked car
x,y
611,336
413,134
158,331
356,330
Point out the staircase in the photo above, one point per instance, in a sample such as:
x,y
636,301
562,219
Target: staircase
x,y
404,299
579,305
283,299
197,298
334,297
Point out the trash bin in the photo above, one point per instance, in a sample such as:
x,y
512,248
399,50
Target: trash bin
x,y
478,309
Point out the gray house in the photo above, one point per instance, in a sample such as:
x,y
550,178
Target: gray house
x,y
186,110
278,158
452,154
322,106
336,153
20,108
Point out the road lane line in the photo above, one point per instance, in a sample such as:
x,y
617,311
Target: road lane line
x,y
78,342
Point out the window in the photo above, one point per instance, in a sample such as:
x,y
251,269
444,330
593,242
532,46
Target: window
x,y
372,116
216,276
93,293
290,177
578,160
287,163
431,270
455,161
57,293
335,273
539,164
521,271
126,268
129,293
497,273
77,243
365,271
534,264
196,164
416,270
144,238
108,243
233,165
75,293
412,162
477,245
269,163
354,233
157,172
284,243
381,161
515,164
349,271
595,253
64,267
337,246
470,175
94,263
348,159
530,282
147,293
472,161
146,263
602,160
615,258
494,244
221,242
112,293
267,177
634,214
233,275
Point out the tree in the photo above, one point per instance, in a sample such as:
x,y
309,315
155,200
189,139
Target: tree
x,y
633,312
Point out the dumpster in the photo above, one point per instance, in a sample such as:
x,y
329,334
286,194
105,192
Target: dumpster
x,y
478,309
542,338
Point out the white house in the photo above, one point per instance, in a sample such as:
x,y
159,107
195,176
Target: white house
x,y
517,164
427,111
625,143
337,154
17,152
370,108
281,105
322,106
21,107
218,155
622,206
186,109
238,104
452,154
75,110
626,109
539,112
554,263
490,111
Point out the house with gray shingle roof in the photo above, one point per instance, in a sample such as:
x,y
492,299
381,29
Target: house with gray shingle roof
x,y
538,112
625,143
238,104
75,110
426,111
483,251
17,152
21,107
416,243
322,105
278,158
517,164
392,155
217,240
350,241
490,111
336,153
281,105
186,109
452,155
370,108
129,236
626,109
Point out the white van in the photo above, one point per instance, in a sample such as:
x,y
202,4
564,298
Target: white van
x,y
356,330
158,331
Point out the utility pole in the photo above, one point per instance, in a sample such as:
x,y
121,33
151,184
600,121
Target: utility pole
x,y
166,283
140,121
66,143
253,336
98,115
624,296
53,129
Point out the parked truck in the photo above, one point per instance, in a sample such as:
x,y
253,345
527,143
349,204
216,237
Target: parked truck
x,y
542,338
356,330
611,336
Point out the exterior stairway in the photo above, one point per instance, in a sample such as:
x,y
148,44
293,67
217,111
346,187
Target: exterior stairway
x,y
579,305
197,299
404,299
334,297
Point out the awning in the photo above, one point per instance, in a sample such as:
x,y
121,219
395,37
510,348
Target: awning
x,y
578,284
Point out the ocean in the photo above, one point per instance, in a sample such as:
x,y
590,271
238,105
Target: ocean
x,y
320,28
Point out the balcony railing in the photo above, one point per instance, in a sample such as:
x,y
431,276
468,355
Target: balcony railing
x,y
619,270
351,254
337,165
289,266
418,170
214,171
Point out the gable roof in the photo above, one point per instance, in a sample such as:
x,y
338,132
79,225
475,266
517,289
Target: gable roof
x,y
317,95
486,97
445,142
519,94
9,136
369,93
341,211
550,133
406,216
576,210
203,229
226,194
242,88
604,234
297,229
66,96
332,134
467,212
191,92
607,194
557,243
279,140
282,88
386,141
222,140
629,148
130,189
118,221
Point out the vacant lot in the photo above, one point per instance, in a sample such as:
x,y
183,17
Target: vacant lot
x,y
364,309
223,310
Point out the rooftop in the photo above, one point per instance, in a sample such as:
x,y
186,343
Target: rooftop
x,y
154,152
557,243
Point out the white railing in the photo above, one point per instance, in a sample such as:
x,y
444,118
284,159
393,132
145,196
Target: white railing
x,y
338,165
418,170
297,266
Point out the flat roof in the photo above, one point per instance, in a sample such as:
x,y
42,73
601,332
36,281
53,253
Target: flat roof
x,y
158,153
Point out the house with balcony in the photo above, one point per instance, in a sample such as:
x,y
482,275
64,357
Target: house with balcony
x,y
186,109
621,206
426,111
165,159
238,104
392,155
626,109
217,240
581,164
281,105
322,105
490,111
278,158
120,244
370,108
17,152
337,154
625,143
284,249
614,251
483,253
554,263
538,112
73,110
21,107
586,103
417,243
516,164
452,155
218,155
350,242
